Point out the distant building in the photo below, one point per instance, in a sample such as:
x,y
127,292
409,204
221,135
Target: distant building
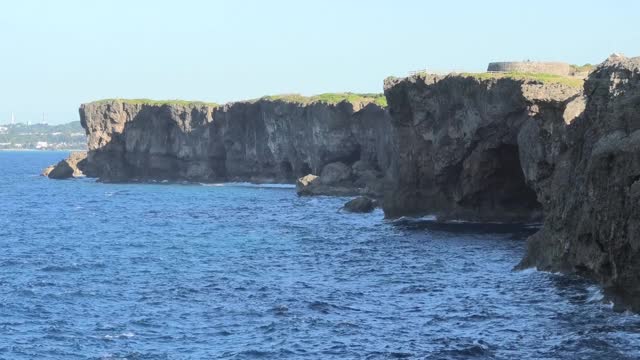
x,y
42,145
556,68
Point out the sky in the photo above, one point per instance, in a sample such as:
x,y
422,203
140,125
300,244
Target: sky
x,y
58,54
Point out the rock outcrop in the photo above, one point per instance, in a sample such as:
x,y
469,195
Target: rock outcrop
x,y
361,204
266,140
71,167
339,179
458,151
513,149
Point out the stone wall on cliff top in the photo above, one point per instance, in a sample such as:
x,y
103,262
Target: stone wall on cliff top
x,y
557,68
262,140
458,151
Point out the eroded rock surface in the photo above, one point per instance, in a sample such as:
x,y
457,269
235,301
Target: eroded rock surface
x,y
260,141
70,167
458,151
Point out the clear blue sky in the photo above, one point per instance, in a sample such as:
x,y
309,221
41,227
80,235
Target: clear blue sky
x,y
58,54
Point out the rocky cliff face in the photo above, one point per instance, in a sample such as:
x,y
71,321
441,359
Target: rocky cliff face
x,y
470,147
262,140
509,150
587,176
458,150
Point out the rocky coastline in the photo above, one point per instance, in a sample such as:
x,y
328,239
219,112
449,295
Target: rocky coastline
x,y
461,146
345,141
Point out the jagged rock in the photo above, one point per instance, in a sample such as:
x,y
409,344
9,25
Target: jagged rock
x,y
47,170
361,204
303,184
313,185
68,168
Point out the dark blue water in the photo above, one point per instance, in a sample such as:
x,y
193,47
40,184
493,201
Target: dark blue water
x,y
106,271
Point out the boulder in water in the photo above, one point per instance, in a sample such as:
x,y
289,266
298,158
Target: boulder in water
x,y
303,184
70,167
361,204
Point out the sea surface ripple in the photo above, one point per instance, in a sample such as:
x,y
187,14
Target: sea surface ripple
x,y
174,271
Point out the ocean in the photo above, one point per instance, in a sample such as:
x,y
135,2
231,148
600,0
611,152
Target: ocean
x,y
192,271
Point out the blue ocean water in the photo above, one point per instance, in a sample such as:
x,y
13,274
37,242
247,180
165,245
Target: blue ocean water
x,y
174,271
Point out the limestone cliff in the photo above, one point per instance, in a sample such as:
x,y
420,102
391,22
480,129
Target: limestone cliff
x,y
587,175
270,139
500,149
458,151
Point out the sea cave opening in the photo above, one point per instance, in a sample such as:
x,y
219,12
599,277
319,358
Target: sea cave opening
x,y
286,169
498,185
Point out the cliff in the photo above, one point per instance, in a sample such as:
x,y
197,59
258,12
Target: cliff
x,y
587,175
479,147
505,149
265,140
459,154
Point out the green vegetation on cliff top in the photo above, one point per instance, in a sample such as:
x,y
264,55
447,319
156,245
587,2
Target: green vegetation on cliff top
x,y
328,98
582,68
544,78
156,102
331,98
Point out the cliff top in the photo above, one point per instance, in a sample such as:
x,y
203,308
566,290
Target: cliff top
x,y
330,98
327,98
156,102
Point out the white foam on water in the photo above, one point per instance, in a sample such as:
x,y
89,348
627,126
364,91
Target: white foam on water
x,y
125,335
415,219
596,294
251,185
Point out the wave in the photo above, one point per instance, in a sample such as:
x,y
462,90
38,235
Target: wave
x,y
124,335
250,185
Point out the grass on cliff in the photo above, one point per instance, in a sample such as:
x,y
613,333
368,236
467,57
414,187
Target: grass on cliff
x,y
331,98
157,102
544,78
582,68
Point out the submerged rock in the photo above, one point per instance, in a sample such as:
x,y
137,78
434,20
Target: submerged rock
x,y
361,204
70,167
